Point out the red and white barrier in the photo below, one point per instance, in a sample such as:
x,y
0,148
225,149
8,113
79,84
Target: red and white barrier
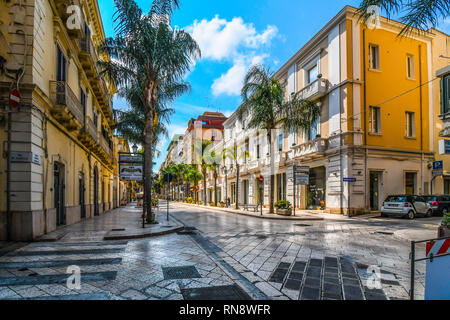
x,y
438,247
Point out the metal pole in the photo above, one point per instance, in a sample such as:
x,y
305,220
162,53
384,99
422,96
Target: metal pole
x,y
261,195
168,197
413,258
8,183
145,199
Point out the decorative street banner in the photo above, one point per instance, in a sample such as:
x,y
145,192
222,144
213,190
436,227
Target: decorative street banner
x,y
130,158
131,172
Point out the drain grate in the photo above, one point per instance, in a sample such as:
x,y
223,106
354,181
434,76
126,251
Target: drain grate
x,y
386,233
232,292
185,272
122,229
302,225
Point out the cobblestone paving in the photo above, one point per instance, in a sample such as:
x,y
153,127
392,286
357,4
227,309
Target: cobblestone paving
x,y
221,256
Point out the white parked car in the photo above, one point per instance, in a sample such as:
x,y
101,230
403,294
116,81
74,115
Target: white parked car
x,y
406,206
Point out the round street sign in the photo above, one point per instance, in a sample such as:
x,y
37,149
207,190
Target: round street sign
x,y
14,98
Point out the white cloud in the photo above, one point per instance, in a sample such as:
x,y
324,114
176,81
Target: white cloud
x,y
234,41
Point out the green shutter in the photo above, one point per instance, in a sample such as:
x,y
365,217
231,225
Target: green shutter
x,y
442,97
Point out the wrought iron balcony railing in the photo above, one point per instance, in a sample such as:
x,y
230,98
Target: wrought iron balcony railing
x,y
62,96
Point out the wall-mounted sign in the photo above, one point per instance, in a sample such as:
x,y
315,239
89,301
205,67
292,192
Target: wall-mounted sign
x,y
301,179
350,180
444,147
131,172
438,168
25,157
130,158
301,169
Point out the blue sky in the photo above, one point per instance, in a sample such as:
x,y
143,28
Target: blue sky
x,y
233,35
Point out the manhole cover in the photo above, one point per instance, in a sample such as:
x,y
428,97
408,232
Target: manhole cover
x,y
187,272
233,292
302,225
122,229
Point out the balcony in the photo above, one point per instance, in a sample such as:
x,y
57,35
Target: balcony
x,y
315,89
89,135
107,150
311,148
88,58
67,109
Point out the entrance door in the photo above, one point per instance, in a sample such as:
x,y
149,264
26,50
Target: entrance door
x,y
96,208
81,193
59,193
374,191
245,190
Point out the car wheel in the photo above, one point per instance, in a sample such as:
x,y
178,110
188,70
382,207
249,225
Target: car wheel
x,y
411,215
429,213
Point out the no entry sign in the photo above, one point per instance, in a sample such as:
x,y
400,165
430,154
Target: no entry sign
x,y
14,98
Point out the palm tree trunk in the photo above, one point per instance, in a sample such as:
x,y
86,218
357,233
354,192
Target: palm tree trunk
x,y
148,164
237,186
215,189
272,175
204,187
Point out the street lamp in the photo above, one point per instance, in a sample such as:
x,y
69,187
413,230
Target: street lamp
x,y
135,149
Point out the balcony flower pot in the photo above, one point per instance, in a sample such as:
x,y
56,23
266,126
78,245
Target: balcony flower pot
x,y
284,212
444,229
283,208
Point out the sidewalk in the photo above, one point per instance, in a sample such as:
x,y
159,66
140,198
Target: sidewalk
x,y
301,215
118,224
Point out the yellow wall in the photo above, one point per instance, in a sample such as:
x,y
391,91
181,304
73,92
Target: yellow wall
x,y
440,50
389,82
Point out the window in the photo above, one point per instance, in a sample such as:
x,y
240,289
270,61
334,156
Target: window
x,y
374,120
258,151
83,100
313,131
280,142
95,118
410,125
410,72
61,65
312,74
445,94
374,57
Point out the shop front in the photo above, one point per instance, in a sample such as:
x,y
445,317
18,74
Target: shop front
x,y
316,190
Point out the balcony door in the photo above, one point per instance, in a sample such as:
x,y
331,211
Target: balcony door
x,y
61,65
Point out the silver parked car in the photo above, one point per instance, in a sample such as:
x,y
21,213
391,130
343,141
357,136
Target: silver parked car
x,y
406,206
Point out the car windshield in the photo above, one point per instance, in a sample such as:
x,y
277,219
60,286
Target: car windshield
x,y
396,199
430,198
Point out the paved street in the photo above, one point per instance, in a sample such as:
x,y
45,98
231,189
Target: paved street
x,y
221,256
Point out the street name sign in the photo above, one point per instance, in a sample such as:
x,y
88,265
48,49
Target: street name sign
x,y
350,180
131,172
130,158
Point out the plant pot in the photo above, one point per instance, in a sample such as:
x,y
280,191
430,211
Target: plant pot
x,y
222,205
443,232
284,212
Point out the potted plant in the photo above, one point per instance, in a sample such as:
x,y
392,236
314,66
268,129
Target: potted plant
x,y
283,207
200,202
444,229
211,204
222,204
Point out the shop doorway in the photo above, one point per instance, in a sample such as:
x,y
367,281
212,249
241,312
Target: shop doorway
x,y
375,178
96,207
316,190
59,192
81,195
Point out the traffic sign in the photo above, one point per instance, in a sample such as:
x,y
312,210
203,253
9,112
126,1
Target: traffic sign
x,y
14,98
438,168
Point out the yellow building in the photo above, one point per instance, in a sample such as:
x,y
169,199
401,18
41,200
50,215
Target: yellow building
x,y
377,130
61,164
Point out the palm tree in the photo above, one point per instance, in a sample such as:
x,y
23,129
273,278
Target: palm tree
x,y
235,156
213,165
179,170
147,51
204,165
264,104
194,176
420,14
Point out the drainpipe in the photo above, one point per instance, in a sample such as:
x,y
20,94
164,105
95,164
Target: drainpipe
x,y
421,120
366,155
8,183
